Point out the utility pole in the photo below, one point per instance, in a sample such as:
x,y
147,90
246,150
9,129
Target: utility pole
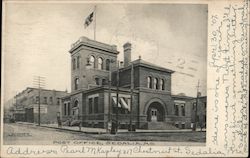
x,y
95,23
131,95
109,106
39,82
117,95
110,99
196,106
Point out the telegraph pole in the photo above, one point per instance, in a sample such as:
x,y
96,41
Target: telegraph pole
x,y
39,82
110,99
117,96
196,106
131,95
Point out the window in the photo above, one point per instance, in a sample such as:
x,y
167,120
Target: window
x,y
76,104
69,109
194,105
176,110
76,83
92,61
78,62
197,119
45,100
37,99
74,64
183,109
97,81
149,82
51,100
108,64
155,83
58,101
90,105
103,81
65,108
96,104
75,108
162,84
100,63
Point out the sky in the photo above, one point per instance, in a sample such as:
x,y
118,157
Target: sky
x,y
38,36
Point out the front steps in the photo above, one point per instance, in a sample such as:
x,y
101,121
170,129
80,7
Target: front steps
x,y
161,126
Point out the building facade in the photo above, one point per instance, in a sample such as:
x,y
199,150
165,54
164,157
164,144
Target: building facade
x,y
131,92
27,102
201,114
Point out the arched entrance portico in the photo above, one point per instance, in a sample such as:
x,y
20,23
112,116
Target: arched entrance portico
x,y
155,112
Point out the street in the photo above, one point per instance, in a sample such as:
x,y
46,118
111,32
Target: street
x,y
15,134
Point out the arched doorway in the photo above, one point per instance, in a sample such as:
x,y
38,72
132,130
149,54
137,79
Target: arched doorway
x,y
155,112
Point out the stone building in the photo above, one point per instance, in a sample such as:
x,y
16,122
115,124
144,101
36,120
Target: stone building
x,y
26,105
106,90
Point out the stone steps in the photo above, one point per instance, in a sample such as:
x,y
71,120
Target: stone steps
x,y
161,126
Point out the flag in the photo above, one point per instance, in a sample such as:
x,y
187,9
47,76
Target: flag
x,y
88,20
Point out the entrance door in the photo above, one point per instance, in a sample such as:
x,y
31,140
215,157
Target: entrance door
x,y
153,115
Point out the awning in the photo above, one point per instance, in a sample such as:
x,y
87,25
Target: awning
x,y
114,100
124,104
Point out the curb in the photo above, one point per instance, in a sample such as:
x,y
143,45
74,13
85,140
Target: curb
x,y
65,129
125,132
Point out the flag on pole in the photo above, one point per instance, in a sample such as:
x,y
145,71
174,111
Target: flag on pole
x,y
88,20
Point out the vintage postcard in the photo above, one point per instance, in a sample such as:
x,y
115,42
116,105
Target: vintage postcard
x,y
125,78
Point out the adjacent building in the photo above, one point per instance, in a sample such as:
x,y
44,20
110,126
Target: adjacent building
x,y
136,92
27,102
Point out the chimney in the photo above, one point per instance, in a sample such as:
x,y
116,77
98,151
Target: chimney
x,y
127,54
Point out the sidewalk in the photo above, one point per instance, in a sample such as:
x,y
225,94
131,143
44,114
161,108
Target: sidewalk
x,y
103,131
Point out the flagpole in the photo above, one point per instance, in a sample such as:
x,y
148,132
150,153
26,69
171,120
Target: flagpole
x,y
95,24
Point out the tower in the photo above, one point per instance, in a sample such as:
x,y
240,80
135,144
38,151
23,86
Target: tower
x,y
91,63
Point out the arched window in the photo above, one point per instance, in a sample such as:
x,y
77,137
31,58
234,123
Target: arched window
x,y
74,63
92,61
176,110
149,85
76,103
103,81
107,64
97,81
162,84
76,83
100,63
75,109
155,83
183,109
78,62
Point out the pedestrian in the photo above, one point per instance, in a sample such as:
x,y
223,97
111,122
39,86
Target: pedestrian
x,y
59,122
80,125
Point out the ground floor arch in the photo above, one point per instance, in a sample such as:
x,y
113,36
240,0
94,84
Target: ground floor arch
x,y
155,112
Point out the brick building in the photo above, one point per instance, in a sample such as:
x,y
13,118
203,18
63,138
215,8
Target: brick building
x,y
201,116
106,90
26,105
